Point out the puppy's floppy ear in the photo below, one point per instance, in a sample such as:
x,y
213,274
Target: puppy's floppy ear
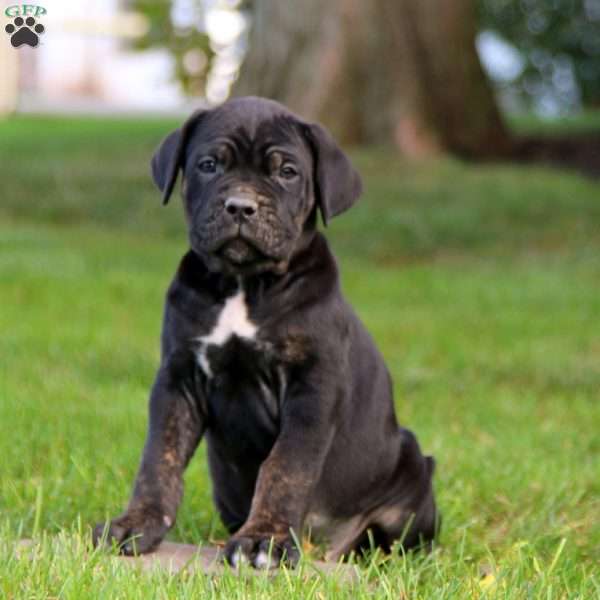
x,y
168,158
337,184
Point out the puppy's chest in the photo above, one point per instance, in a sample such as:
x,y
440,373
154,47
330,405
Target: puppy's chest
x,y
233,345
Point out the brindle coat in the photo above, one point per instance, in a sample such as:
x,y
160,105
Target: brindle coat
x,y
263,357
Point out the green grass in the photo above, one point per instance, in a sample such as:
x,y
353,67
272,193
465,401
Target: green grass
x,y
586,121
480,284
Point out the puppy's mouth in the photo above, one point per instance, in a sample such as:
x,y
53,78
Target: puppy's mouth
x,y
240,251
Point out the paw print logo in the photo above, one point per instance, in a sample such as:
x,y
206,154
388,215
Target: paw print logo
x,y
24,31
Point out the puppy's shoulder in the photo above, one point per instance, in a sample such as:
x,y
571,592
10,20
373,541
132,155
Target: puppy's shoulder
x,y
320,315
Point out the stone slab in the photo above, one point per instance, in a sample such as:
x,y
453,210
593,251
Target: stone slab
x,y
176,557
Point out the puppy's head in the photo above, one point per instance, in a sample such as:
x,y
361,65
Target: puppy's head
x,y
254,175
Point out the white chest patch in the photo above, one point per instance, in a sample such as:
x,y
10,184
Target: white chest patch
x,y
233,320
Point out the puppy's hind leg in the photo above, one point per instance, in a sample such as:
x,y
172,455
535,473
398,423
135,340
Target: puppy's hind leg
x,y
413,524
408,515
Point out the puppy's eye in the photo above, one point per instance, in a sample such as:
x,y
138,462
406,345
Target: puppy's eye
x,y
208,165
288,172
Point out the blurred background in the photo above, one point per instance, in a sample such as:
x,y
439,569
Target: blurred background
x,y
539,55
473,255
446,77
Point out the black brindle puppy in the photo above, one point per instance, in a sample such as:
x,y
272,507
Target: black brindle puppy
x,y
262,355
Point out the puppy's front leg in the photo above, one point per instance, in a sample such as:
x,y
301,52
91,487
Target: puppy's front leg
x,y
285,482
175,429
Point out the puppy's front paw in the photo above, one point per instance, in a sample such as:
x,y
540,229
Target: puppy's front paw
x,y
134,532
261,552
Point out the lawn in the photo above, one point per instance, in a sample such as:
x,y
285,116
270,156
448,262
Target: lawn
x,y
481,285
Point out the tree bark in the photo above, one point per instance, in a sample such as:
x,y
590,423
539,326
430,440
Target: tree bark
x,y
399,71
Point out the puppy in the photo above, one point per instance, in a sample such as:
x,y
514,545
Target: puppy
x,y
263,357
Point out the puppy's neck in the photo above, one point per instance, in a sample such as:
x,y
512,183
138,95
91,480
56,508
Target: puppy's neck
x,y
310,253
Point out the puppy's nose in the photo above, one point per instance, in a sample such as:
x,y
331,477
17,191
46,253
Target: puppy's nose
x,y
241,205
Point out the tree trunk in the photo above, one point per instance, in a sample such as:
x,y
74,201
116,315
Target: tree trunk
x,y
399,71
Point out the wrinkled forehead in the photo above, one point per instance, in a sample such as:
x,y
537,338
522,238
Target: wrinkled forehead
x,y
253,127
